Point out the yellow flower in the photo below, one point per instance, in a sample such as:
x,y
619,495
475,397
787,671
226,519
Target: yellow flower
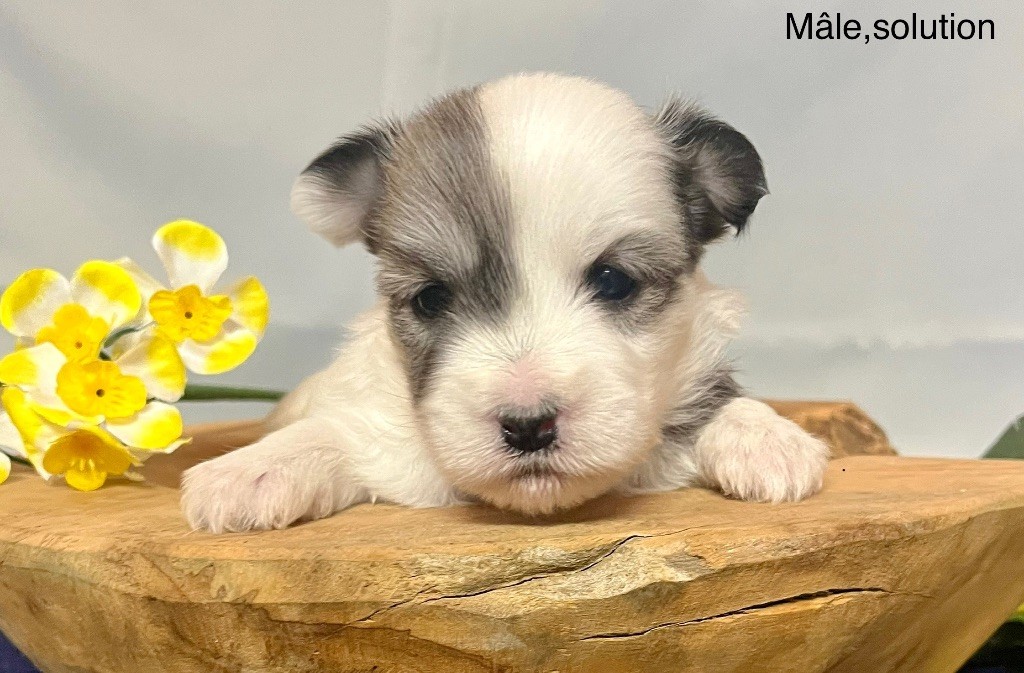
x,y
212,333
46,398
187,314
86,456
98,388
75,333
41,306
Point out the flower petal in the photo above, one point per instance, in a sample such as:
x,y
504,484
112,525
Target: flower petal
x,y
155,428
142,455
28,424
36,433
148,286
154,359
251,305
192,254
35,371
10,439
18,369
31,300
85,477
61,416
107,291
227,350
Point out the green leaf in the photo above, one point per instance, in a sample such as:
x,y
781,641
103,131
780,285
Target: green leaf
x,y
1011,443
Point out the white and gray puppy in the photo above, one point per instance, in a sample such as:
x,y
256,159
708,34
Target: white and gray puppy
x,y
543,332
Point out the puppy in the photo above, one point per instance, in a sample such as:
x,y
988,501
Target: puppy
x,y
543,332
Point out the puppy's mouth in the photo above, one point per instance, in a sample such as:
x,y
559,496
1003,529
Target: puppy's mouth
x,y
535,470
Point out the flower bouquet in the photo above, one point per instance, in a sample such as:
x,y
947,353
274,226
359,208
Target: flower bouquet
x,y
100,360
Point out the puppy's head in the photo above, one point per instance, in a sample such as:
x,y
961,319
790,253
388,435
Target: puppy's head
x,y
536,239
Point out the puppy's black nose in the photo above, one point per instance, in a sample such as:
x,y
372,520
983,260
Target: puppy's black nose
x,y
527,434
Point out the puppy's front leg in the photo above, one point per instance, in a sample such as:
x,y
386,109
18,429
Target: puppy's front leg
x,y
295,473
749,452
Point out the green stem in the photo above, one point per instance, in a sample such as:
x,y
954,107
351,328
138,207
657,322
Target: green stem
x,y
124,331
198,392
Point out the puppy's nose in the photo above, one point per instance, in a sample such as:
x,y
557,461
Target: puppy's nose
x,y
527,434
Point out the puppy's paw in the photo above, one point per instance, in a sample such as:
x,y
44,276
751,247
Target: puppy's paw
x,y
749,452
246,490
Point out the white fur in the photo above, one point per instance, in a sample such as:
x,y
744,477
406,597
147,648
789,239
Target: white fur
x,y
699,337
333,215
353,434
343,436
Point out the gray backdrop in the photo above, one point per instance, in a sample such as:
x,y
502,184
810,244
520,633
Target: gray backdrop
x,y
885,267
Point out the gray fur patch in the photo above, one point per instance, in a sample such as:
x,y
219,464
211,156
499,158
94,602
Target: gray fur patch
x,y
718,174
444,216
711,393
658,261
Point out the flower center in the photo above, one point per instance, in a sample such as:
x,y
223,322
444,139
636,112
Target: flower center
x,y
187,313
98,388
75,333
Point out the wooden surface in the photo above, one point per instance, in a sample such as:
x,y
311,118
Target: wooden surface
x,y
898,565
843,425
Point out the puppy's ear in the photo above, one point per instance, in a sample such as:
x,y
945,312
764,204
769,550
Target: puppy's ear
x,y
336,192
718,175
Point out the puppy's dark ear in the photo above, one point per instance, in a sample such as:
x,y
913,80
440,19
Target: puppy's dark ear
x,y
336,192
719,177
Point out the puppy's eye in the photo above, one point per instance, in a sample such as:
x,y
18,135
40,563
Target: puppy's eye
x,y
431,301
611,284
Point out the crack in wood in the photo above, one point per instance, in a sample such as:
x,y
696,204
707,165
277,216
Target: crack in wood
x,y
614,547
750,609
